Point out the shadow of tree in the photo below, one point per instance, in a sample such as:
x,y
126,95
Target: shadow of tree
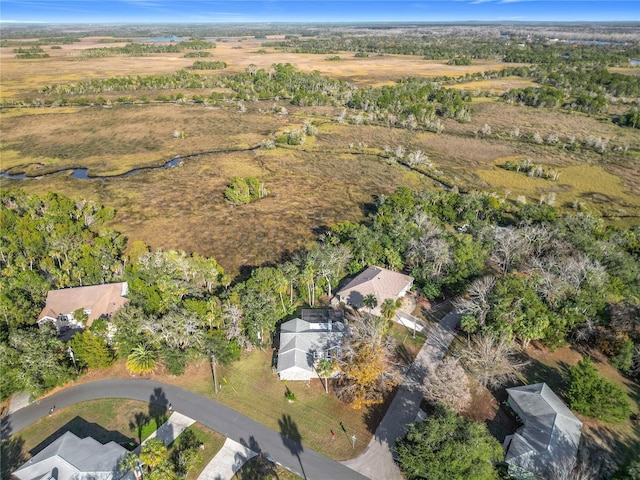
x,y
12,455
537,372
291,438
504,422
158,405
258,467
138,422
374,414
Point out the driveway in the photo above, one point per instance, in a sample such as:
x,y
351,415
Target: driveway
x,y
376,462
276,446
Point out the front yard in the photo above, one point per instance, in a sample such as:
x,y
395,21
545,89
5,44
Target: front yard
x,y
125,422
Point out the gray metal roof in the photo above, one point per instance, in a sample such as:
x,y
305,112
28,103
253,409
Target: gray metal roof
x,y
550,434
300,338
75,458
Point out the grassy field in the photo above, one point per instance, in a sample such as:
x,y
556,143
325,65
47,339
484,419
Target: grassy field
x,y
307,190
495,85
332,178
314,413
125,422
22,78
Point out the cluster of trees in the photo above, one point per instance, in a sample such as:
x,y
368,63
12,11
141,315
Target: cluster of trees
x,y
197,54
29,53
162,463
631,118
446,445
143,49
367,367
205,65
178,80
52,242
411,101
528,274
595,397
62,40
529,168
130,50
244,190
284,81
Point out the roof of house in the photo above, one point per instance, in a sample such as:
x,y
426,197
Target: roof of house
x,y
300,338
74,457
551,433
378,281
100,299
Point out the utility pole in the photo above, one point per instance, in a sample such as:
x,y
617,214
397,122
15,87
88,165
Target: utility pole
x,y
353,441
73,358
215,377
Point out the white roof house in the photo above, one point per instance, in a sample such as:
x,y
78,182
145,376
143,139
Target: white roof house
x,y
303,341
380,282
96,301
549,437
73,458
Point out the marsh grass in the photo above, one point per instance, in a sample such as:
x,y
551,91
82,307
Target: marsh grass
x,y
496,85
590,184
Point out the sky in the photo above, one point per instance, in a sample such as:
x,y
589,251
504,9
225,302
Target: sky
x,y
251,11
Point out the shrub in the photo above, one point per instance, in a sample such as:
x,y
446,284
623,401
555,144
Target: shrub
x,y
445,446
244,190
594,396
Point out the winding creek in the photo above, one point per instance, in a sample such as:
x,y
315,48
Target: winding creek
x,y
83,173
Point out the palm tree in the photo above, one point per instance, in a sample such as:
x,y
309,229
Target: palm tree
x,y
324,369
370,301
389,307
153,453
130,462
142,360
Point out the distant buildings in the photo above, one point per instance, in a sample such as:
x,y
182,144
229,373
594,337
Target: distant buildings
x,y
95,301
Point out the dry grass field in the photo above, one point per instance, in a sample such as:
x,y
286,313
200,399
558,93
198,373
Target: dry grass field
x,y
22,78
332,178
495,85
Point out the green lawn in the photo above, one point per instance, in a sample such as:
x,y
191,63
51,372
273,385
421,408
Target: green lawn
x,y
253,388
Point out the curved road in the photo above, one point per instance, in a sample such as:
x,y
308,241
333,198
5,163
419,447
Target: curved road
x,y
277,446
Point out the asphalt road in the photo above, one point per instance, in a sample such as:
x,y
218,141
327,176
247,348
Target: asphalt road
x,y
281,447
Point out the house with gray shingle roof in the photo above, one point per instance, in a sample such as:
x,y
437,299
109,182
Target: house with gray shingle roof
x,y
303,341
382,283
549,437
95,300
73,458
